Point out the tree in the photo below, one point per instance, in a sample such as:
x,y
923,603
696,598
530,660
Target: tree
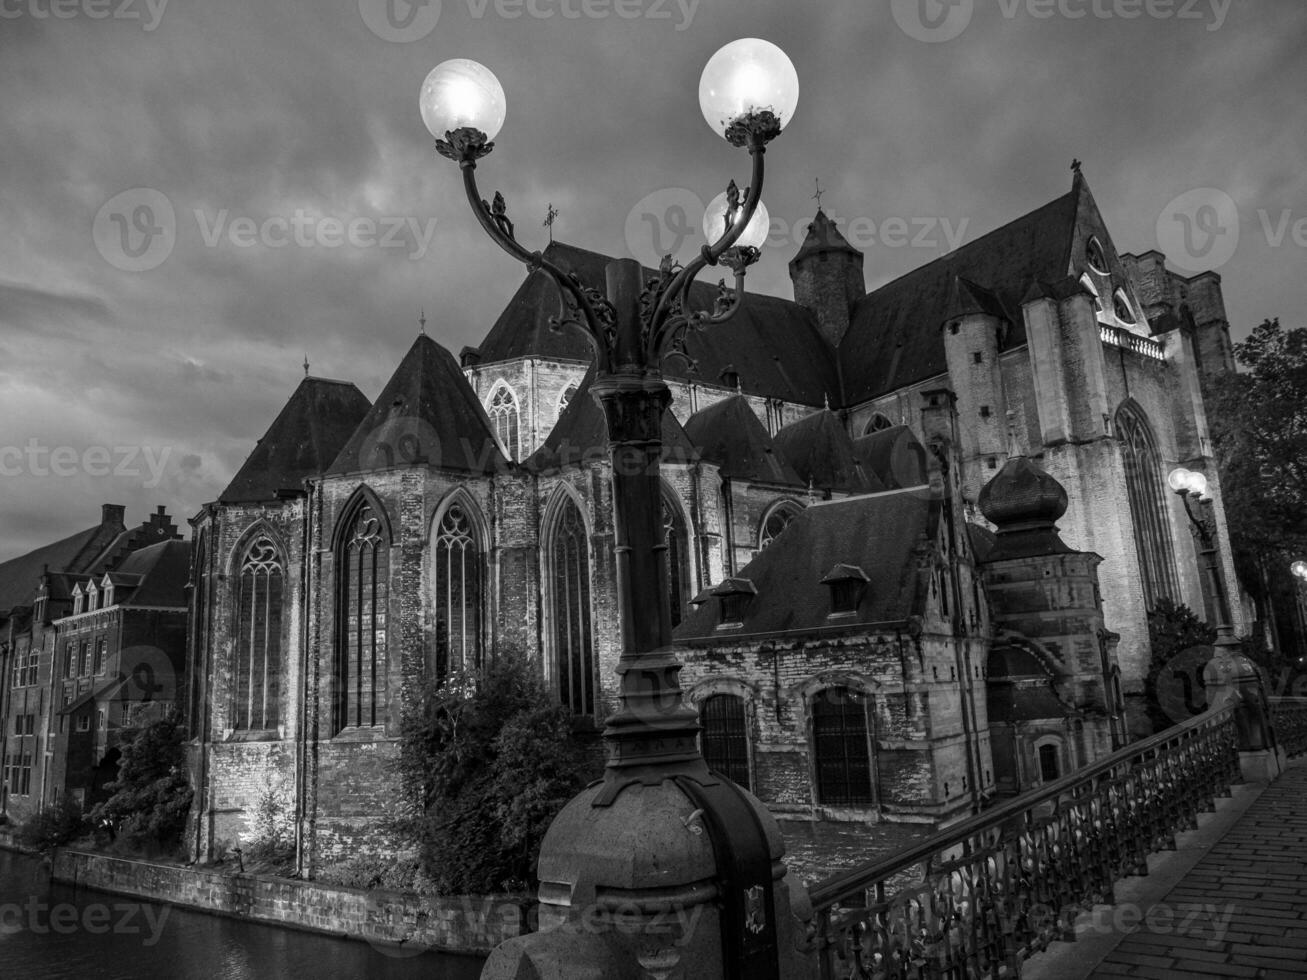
x,y
152,793
1259,426
487,759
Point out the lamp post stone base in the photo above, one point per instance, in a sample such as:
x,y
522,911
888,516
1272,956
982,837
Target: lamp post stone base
x,y
644,887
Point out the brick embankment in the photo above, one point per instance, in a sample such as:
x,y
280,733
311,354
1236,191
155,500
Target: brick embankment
x,y
459,924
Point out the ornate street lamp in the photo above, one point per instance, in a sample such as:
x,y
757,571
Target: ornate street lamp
x,y
657,787
1190,485
1299,570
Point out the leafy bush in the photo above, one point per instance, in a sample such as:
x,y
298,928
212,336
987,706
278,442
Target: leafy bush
x,y
486,761
152,794
271,837
1173,630
53,827
386,873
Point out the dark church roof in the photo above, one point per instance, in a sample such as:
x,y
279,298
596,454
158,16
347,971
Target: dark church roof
x,y
729,434
895,339
821,452
301,442
822,236
876,533
772,344
159,573
581,435
894,457
1024,503
427,413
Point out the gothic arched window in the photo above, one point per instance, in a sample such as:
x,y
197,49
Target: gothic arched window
x,y
505,418
569,584
725,737
259,597
878,423
199,635
776,521
1143,477
566,397
676,560
840,746
364,564
457,591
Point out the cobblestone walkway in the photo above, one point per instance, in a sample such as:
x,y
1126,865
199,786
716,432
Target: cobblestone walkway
x,y
1241,911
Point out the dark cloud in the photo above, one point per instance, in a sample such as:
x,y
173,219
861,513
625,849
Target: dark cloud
x,y
256,112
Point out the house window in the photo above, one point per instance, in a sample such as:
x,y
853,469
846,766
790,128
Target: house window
x,y
364,577
101,648
776,521
25,775
845,594
725,738
569,581
840,746
675,560
258,637
458,592
1143,477
1049,768
101,720
85,658
505,418
84,723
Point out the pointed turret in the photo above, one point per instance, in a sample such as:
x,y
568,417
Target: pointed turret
x,y
827,277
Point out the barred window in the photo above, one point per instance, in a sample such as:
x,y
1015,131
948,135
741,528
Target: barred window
x,y
506,418
458,592
259,603
1143,477
841,747
725,737
569,582
364,577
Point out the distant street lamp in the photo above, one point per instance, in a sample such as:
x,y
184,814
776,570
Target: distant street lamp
x,y
1192,485
748,92
1299,569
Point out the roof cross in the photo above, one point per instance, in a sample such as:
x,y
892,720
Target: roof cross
x,y
306,364
820,192
422,321
551,215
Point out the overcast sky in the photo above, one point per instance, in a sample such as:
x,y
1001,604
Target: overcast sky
x,y
176,179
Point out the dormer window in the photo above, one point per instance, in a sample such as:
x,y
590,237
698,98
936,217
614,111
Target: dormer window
x,y
91,596
848,585
730,377
734,596
106,593
78,599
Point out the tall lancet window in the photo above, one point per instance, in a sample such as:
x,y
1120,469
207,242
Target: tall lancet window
x,y
678,573
1143,477
364,596
199,635
458,592
569,581
506,418
258,637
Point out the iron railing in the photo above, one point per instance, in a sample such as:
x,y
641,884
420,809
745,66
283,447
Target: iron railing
x,y
976,899
1289,718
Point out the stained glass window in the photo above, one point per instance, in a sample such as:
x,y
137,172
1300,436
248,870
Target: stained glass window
x,y
569,582
1143,477
258,637
458,592
506,419
364,598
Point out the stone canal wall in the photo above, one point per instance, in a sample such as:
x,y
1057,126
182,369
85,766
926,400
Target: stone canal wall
x,y
462,924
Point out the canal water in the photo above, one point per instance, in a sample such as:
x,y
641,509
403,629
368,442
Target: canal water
x,y
50,932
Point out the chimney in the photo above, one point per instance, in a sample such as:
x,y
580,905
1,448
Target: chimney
x,y
112,514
